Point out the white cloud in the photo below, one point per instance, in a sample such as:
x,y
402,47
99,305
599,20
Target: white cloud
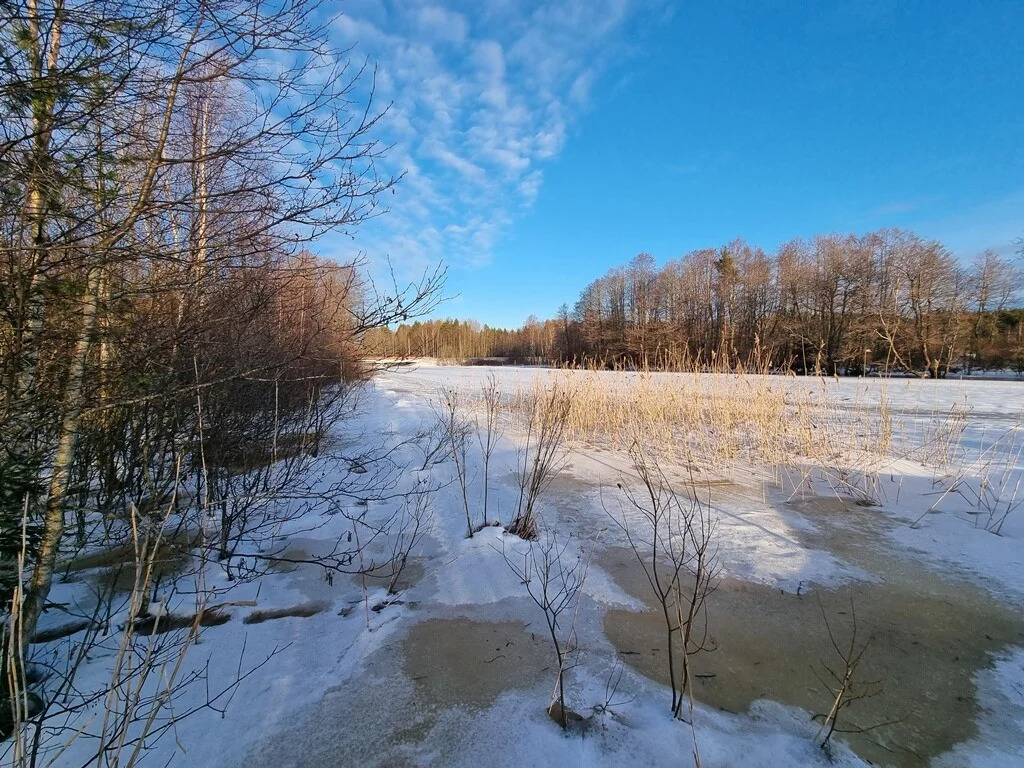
x,y
579,92
468,171
441,24
482,94
489,59
529,187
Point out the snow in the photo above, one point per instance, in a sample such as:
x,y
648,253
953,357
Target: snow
x,y
1002,698
760,544
761,539
477,575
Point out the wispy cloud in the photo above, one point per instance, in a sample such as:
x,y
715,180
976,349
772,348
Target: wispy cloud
x,y
482,95
898,207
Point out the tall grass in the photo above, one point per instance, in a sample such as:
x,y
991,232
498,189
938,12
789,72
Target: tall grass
x,y
723,419
781,429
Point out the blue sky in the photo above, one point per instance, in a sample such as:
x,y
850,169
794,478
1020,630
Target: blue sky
x,y
546,142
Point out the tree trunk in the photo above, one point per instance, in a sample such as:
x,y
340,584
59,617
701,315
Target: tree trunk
x,y
53,520
22,383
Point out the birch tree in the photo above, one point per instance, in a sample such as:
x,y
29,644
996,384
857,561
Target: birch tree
x,y
152,150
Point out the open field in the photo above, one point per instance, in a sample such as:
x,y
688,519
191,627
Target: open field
x,y
886,508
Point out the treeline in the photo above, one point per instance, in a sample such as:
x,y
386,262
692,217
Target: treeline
x,y
832,305
450,339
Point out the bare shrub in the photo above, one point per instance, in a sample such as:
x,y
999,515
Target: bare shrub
x,y
542,453
675,548
843,683
489,432
148,677
432,441
553,576
409,526
457,429
611,688
152,609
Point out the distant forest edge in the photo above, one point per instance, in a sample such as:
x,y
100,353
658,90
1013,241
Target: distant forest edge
x,y
888,301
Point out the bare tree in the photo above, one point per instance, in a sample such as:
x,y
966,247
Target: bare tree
x,y
148,678
171,350
490,432
553,576
844,683
675,548
994,284
934,295
835,304
158,155
457,429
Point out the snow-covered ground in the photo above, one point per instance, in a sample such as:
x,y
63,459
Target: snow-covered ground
x,y
983,419
366,679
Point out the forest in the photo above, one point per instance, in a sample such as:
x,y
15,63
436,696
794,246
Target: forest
x,y
888,300
164,321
